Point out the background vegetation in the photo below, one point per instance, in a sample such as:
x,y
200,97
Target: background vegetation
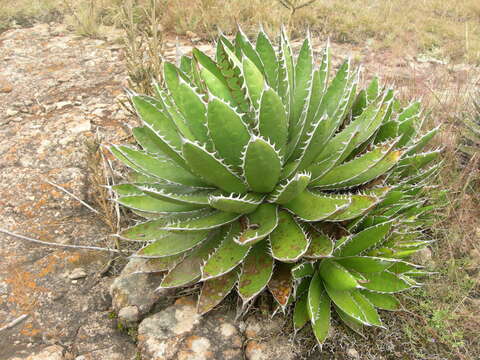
x,y
443,320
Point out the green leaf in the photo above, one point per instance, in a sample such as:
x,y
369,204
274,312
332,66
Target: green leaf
x,y
260,223
227,256
303,82
178,194
256,271
254,81
288,240
345,174
241,41
422,142
302,270
227,130
351,322
216,86
242,204
162,126
289,189
300,313
193,109
280,285
188,270
336,276
151,205
320,246
382,301
267,55
174,243
272,120
160,168
262,165
371,315
147,139
157,265
215,290
364,239
319,309
386,282
358,205
312,206
212,169
335,150
208,220
365,264
344,300
206,62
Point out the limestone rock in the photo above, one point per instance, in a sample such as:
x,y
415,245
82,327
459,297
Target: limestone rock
x,y
54,352
179,333
136,288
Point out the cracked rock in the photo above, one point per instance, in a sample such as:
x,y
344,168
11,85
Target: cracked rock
x,y
54,352
136,288
179,333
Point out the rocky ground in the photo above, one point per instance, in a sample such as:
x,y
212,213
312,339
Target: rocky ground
x,y
58,92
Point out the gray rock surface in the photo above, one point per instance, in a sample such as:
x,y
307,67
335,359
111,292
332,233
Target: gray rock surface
x,y
135,287
178,333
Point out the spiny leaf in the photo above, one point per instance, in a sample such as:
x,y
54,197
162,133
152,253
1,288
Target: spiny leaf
x,y
382,301
260,154
302,270
174,243
272,120
358,205
253,80
152,205
386,282
336,276
168,138
188,269
320,246
365,264
242,204
344,300
314,206
289,189
267,55
160,168
210,168
178,194
227,256
364,239
209,220
300,312
227,130
288,240
215,290
256,271
318,308
345,174
260,224
368,309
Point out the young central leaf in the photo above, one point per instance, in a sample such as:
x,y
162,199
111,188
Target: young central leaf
x,y
227,130
262,165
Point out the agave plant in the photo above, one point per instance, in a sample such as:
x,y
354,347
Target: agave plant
x,y
257,171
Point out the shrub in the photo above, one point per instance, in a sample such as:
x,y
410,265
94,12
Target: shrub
x,y
256,171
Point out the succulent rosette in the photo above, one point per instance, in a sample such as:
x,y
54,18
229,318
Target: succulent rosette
x,y
256,170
